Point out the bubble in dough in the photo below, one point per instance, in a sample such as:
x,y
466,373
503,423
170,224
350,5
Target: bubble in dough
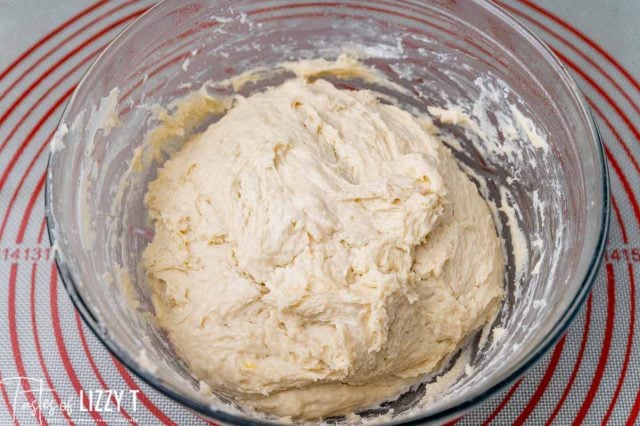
x,y
317,252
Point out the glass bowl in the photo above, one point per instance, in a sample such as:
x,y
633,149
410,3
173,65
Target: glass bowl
x,y
544,174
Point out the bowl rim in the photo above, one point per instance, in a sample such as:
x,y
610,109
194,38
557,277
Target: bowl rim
x,y
552,336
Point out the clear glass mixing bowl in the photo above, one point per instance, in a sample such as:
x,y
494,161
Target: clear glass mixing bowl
x,y
439,51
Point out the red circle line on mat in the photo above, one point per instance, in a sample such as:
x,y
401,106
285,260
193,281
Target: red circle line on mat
x,y
544,382
66,361
576,367
36,338
627,354
3,387
635,411
636,407
33,320
573,48
80,30
625,183
54,304
503,403
13,336
24,144
49,36
595,46
616,211
14,339
46,93
611,103
4,73
629,156
149,405
38,190
35,194
12,313
13,330
604,355
5,396
94,367
57,332
632,297
18,154
143,398
58,63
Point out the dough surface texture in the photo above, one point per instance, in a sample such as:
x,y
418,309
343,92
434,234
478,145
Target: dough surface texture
x,y
317,251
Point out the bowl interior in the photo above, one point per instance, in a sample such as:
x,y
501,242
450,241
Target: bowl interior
x,y
528,143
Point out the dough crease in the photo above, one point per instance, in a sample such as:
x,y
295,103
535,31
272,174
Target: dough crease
x,y
317,251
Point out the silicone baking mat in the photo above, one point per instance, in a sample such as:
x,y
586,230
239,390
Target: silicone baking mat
x,y
52,367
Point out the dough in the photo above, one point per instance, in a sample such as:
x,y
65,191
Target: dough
x,y
317,252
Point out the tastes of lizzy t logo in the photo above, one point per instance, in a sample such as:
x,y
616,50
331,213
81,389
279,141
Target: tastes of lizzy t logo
x,y
32,398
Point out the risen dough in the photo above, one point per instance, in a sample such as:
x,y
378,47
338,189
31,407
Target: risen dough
x,y
317,251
